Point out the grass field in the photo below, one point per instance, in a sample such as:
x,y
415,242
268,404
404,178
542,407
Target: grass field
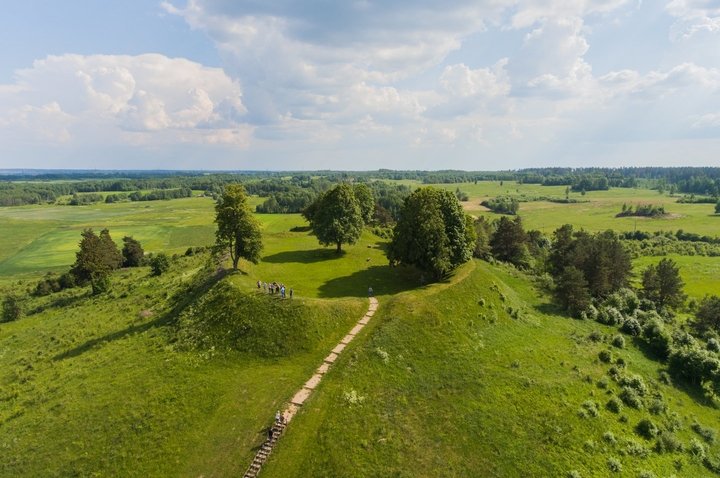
x,y
443,382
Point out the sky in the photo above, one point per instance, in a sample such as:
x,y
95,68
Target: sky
x,y
359,84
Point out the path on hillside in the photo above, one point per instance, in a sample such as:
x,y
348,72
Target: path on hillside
x,y
304,393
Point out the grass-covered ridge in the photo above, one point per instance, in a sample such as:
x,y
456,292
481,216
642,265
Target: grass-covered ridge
x,y
482,378
99,385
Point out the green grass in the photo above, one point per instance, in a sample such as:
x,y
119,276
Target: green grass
x,y
461,394
700,274
95,386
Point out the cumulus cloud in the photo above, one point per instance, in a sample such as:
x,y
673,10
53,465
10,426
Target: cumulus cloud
x,y
65,96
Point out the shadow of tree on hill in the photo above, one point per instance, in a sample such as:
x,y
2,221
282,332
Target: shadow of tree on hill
x,y
65,301
304,256
383,279
550,308
180,300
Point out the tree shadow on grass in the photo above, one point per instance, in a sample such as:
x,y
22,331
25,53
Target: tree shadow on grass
x,y
183,298
550,308
383,279
304,256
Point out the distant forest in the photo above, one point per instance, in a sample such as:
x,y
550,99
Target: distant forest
x,y
288,191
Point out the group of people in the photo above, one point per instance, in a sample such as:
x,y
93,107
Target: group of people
x,y
275,288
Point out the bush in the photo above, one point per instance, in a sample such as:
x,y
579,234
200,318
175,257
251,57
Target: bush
x,y
708,434
595,336
634,448
634,382
590,408
696,449
647,429
605,356
631,327
11,309
713,345
618,341
609,437
614,465
614,405
160,264
646,474
657,406
631,398
668,443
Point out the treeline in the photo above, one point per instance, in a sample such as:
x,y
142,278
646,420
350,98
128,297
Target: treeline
x,y
642,210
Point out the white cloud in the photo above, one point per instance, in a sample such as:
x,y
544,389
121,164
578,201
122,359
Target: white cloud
x,y
66,97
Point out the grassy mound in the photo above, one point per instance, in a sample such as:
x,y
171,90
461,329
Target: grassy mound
x,y
481,378
229,319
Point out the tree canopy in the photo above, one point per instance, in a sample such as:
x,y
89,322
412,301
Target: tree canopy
x,y
661,283
132,252
433,233
238,231
337,216
97,257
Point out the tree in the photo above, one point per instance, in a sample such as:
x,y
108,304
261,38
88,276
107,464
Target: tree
x,y
572,290
96,259
433,233
662,284
132,252
238,231
336,218
366,200
707,317
160,264
717,208
509,243
11,309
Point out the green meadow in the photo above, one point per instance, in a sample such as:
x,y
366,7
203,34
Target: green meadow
x,y
478,375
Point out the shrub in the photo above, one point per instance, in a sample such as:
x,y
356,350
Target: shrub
x,y
646,474
614,405
603,382
609,437
647,429
614,465
595,336
631,398
11,309
696,449
668,443
620,362
610,316
605,356
657,406
160,264
708,434
635,382
631,327
618,341
634,448
574,474
713,345
590,407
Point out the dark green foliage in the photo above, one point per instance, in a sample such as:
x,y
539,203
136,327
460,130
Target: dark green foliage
x,y
631,398
614,465
83,199
97,258
11,309
336,217
605,356
366,200
642,210
600,259
618,341
614,405
238,231
433,233
658,339
291,201
159,264
717,207
662,284
647,429
509,242
461,195
133,253
502,205
707,316
483,232
631,327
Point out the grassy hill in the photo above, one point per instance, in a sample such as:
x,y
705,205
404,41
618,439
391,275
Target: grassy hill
x,y
480,378
100,386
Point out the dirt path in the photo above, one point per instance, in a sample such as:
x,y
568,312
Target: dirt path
x,y
304,393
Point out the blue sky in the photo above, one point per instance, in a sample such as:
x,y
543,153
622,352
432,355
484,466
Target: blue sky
x,y
359,84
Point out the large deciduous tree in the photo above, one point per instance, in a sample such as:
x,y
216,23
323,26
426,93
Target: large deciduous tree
x,y
336,217
433,233
97,258
238,231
